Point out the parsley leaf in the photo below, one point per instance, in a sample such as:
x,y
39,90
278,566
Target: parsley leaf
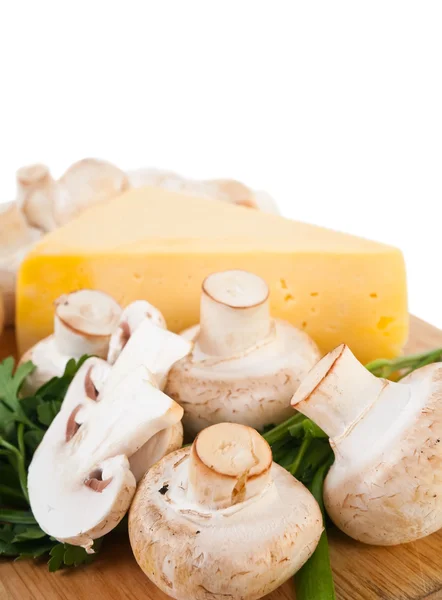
x,y
23,422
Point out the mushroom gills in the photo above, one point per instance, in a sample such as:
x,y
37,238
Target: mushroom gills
x,y
92,435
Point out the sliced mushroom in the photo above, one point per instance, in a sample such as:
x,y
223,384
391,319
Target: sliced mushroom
x,y
80,480
156,349
220,519
245,366
83,324
385,486
130,319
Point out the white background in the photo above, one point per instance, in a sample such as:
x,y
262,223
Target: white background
x,y
333,107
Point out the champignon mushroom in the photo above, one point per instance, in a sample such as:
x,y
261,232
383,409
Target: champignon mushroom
x,y
47,203
385,486
83,324
130,319
88,182
156,349
225,190
220,519
80,480
245,366
43,204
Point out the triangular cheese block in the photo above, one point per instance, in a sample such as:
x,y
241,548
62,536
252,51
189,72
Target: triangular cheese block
x,y
159,245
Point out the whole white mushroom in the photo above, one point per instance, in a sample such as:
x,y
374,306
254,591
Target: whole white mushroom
x,y
220,519
385,486
83,324
244,366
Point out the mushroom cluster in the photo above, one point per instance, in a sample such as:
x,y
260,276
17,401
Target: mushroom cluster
x,y
244,366
114,424
385,486
220,519
83,324
43,204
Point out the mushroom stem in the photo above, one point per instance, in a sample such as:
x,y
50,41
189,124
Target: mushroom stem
x,y
234,312
229,463
338,391
84,322
35,191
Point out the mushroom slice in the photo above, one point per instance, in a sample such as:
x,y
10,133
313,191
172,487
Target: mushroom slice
x,y
156,349
153,347
384,487
83,324
80,482
245,366
220,519
130,319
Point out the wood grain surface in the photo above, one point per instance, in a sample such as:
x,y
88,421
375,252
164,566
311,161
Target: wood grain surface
x,y
409,572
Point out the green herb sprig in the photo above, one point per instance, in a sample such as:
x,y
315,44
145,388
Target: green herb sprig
x,y
23,422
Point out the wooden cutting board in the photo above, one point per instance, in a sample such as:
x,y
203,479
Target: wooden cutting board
x,y
408,572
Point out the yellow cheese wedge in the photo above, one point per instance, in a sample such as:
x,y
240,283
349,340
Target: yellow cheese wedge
x,y
159,245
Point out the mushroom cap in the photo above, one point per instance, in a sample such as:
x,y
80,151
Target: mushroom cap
x,y
244,551
391,491
155,348
253,388
85,183
80,483
131,317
